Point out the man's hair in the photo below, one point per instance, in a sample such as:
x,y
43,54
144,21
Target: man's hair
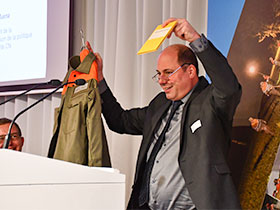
x,y
4,121
186,55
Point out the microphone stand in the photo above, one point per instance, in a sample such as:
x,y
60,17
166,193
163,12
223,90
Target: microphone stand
x,y
52,82
8,136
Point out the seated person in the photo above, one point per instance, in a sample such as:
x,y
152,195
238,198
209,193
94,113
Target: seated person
x,y
17,140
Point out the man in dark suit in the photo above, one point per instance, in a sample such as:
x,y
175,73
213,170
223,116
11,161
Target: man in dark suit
x,y
182,160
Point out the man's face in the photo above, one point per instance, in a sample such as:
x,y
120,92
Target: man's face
x,y
181,82
16,141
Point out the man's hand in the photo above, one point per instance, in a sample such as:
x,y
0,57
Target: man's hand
x,y
183,29
99,66
98,61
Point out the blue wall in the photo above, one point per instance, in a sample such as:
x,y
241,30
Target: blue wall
x,y
223,17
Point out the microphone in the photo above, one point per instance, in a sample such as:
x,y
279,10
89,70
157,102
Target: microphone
x,y
79,82
8,136
53,82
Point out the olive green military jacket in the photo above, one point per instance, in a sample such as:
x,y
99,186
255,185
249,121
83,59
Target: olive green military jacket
x,y
79,135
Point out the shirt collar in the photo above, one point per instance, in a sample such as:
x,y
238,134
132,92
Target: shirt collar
x,y
186,97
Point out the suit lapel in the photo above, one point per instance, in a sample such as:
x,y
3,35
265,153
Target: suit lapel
x,y
156,118
155,122
202,84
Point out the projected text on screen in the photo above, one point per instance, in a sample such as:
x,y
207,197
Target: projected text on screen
x,y
23,39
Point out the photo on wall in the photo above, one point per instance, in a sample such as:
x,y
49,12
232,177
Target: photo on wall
x,y
254,54
272,195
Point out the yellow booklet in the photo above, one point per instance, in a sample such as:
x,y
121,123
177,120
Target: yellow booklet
x,y
156,38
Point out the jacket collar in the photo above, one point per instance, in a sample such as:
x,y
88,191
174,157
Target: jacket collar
x,y
84,66
202,84
75,64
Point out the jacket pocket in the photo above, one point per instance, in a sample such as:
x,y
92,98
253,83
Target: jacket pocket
x,y
70,118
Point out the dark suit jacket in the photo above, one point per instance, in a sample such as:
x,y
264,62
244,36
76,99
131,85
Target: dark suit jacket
x,y
203,149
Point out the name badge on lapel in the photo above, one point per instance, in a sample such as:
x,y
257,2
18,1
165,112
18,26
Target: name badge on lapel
x,y
197,124
80,88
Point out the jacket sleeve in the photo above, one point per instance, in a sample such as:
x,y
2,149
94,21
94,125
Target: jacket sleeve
x,y
120,120
95,130
226,89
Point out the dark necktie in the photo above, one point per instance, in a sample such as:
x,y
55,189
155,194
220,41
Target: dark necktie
x,y
145,187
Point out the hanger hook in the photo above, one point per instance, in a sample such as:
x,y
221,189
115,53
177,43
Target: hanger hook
x,y
83,39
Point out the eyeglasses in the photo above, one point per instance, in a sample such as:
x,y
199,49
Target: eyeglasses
x,y
168,73
14,136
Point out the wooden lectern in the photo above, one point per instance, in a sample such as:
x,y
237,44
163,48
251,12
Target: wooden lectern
x,y
34,182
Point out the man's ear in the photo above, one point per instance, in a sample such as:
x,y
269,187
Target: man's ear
x,y
22,139
192,71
